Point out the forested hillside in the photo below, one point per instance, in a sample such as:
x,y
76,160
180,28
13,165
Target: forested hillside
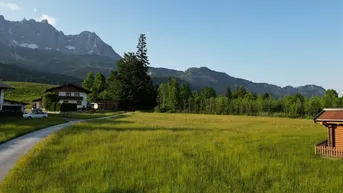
x,y
11,72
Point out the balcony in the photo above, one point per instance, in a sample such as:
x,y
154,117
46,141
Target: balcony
x,y
324,150
76,98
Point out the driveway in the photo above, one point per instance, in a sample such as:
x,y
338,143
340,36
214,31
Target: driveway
x,y
11,151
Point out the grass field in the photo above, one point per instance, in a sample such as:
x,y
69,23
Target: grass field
x,y
87,115
14,127
180,153
25,91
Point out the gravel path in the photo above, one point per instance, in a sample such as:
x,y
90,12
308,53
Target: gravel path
x,y
11,151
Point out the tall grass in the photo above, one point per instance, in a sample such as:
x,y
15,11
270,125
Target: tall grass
x,y
89,115
15,127
180,153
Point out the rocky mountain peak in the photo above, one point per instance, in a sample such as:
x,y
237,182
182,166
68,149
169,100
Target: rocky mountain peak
x,y
42,35
45,21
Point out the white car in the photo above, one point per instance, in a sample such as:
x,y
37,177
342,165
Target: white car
x,y
35,115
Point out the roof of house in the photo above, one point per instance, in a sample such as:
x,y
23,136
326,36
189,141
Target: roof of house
x,y
17,102
329,115
36,100
68,84
5,86
106,101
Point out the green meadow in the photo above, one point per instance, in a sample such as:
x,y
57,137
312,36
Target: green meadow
x,y
151,152
15,127
88,115
25,91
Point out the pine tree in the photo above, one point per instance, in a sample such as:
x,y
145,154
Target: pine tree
x,y
240,92
142,51
136,88
228,93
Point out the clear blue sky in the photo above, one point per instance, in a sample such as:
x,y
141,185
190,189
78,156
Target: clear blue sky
x,y
288,42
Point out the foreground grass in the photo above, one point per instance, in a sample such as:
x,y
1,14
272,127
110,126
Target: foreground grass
x,y
88,115
180,153
14,127
25,91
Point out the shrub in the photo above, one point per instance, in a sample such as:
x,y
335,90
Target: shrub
x,y
52,106
68,107
48,99
58,107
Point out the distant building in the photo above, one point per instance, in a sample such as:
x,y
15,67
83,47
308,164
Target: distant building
x,y
332,119
68,93
9,105
105,105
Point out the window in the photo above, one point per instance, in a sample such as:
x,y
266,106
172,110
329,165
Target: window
x,y
65,101
68,94
77,94
79,102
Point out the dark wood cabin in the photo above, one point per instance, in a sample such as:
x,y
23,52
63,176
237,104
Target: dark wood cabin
x,y
332,119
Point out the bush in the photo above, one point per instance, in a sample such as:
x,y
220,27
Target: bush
x,y
58,107
48,99
55,106
52,106
68,107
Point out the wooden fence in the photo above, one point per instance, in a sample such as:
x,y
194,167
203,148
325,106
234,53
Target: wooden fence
x,y
324,150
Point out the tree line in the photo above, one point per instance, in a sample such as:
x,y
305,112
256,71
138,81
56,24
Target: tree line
x,y
133,88
173,97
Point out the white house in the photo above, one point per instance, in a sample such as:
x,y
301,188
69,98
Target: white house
x,y
9,105
68,93
3,87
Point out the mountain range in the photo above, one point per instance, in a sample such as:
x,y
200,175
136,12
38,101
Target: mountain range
x,y
39,49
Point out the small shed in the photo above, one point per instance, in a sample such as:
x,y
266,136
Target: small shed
x,y
105,105
332,119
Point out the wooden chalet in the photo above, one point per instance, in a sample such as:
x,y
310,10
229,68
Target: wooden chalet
x,y
332,119
67,93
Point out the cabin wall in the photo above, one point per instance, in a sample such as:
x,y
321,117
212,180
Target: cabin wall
x,y
339,137
330,140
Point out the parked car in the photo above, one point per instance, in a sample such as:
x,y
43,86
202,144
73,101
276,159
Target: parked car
x,y
35,115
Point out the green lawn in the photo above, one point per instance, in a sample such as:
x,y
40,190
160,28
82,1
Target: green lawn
x,y
180,153
88,115
25,91
14,127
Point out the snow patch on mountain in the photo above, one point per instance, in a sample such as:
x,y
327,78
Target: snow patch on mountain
x,y
70,47
26,45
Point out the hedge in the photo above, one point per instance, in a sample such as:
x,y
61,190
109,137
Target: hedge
x,y
68,107
64,107
58,107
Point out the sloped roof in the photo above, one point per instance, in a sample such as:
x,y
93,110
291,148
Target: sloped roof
x,y
5,86
36,100
330,115
16,102
71,85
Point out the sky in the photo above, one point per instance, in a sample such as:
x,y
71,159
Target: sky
x,y
290,42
